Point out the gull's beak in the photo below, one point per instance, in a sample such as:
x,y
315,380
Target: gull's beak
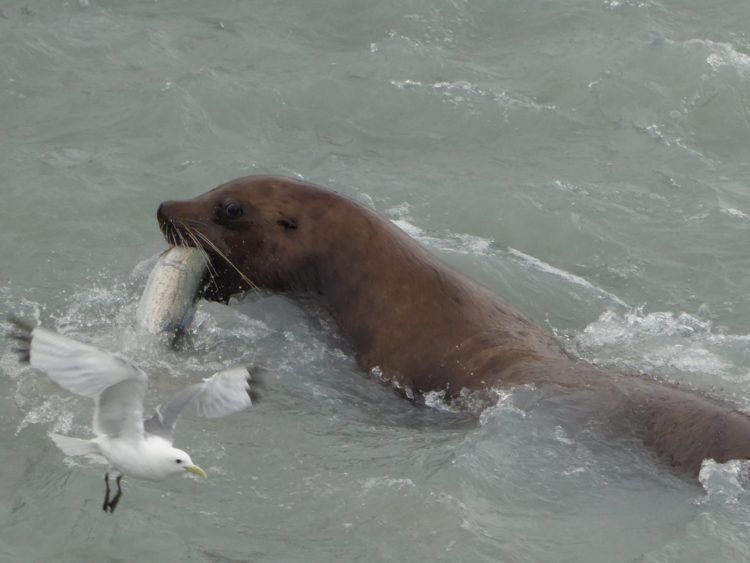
x,y
197,470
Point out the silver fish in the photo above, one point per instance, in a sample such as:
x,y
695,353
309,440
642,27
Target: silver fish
x,y
168,301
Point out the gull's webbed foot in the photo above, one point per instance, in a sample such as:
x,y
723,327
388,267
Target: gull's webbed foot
x,y
106,493
113,503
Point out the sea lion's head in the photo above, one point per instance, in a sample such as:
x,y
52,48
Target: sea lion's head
x,y
262,231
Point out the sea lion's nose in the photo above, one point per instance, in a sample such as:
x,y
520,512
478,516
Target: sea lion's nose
x,y
180,212
162,213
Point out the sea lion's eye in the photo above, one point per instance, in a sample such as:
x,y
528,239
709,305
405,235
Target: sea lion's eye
x,y
233,210
288,224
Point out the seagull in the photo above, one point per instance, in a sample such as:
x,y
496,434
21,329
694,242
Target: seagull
x,y
133,446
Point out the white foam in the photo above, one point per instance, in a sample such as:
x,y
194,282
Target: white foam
x,y
722,54
646,342
735,213
458,91
453,242
436,400
615,328
629,3
724,482
387,482
55,410
504,404
562,437
726,55
567,276
697,360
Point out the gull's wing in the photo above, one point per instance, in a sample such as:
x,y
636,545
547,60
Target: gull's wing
x,y
119,409
223,393
116,385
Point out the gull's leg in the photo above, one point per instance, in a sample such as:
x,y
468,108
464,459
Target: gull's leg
x,y
106,493
118,495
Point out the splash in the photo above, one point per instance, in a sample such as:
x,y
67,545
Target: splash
x,y
659,341
537,264
463,92
54,410
460,243
724,482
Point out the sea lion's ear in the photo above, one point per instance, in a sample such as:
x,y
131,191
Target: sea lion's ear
x,y
287,223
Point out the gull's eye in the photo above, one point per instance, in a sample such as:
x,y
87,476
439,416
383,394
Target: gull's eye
x,y
178,461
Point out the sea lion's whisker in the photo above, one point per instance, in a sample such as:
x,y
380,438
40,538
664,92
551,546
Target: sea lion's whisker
x,y
171,234
212,274
194,230
188,232
199,246
220,253
181,235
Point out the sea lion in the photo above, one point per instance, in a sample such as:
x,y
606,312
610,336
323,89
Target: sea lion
x,y
419,323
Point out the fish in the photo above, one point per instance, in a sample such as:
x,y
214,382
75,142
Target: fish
x,y
167,304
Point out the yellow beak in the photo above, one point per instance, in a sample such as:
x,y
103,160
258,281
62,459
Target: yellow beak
x,y
197,470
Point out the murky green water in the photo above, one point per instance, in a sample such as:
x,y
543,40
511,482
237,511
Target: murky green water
x,y
586,159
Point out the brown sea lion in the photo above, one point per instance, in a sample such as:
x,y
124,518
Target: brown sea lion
x,y
421,324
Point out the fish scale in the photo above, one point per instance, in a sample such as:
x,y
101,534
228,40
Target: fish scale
x,y
167,304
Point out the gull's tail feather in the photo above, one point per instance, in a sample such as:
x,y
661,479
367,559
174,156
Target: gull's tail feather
x,y
74,446
21,333
255,379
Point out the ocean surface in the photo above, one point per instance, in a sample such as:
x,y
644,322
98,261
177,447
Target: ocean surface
x,y
585,159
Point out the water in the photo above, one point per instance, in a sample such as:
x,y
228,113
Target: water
x,y
586,159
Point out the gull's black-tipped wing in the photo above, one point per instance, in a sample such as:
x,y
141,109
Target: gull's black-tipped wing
x,y
223,393
115,384
21,332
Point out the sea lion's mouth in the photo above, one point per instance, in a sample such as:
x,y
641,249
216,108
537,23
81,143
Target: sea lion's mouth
x,y
179,234
223,278
175,236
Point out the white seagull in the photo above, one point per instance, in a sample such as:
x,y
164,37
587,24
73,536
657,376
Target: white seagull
x,y
132,445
